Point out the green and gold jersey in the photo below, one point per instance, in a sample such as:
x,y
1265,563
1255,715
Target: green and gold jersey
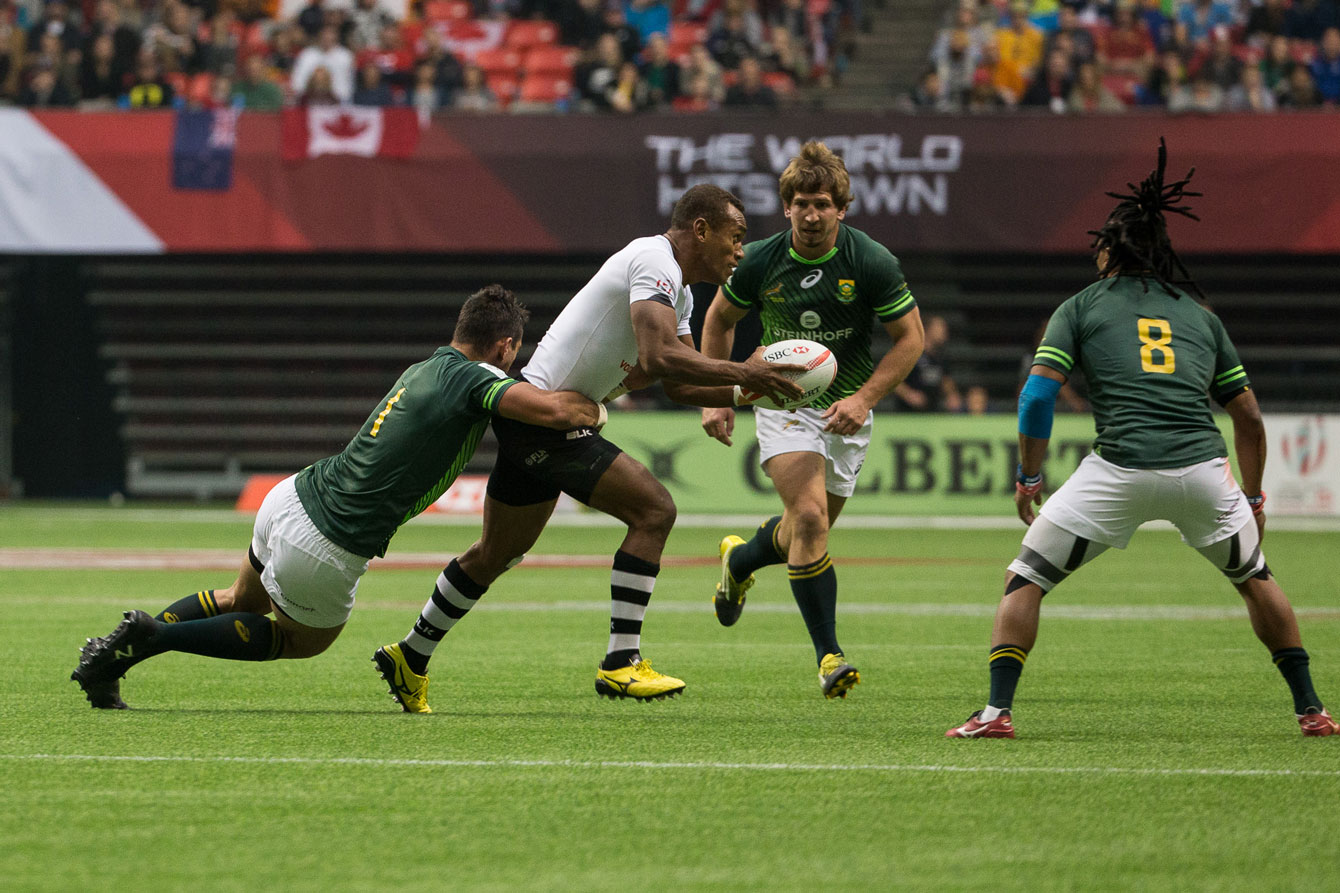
x,y
415,443
829,300
1151,361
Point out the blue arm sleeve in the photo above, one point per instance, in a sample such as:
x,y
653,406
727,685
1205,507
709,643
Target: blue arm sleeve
x,y
1037,403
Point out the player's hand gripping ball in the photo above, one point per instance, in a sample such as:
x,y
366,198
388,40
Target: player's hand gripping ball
x,y
820,370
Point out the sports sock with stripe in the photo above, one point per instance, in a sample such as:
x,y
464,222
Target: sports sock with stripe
x,y
1293,666
759,551
240,635
631,583
197,606
453,597
1006,664
814,587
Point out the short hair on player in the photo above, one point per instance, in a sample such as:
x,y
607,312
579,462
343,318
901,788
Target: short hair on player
x,y
490,315
1136,232
816,169
706,201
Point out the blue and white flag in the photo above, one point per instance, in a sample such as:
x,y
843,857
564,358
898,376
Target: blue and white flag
x,y
202,149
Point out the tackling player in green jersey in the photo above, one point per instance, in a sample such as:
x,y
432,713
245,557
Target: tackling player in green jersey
x,y
316,531
824,281
1153,357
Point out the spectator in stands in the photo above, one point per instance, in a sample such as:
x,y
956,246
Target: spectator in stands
x,y
648,17
701,97
1299,91
1019,41
329,54
659,71
1221,65
729,42
1201,17
929,95
474,95
1202,95
1051,88
108,19
448,74
255,90
427,95
630,42
1250,94
1069,30
1126,48
929,387
1267,18
218,54
1164,79
286,42
45,89
312,18
1156,23
371,89
985,97
749,91
629,93
1277,63
957,63
781,53
581,22
55,20
1006,76
63,65
148,88
1309,19
11,50
320,89
595,76
367,22
964,19
390,54
701,63
1326,67
1090,94
100,78
173,39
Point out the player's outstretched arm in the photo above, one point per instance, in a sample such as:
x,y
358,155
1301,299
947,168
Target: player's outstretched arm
x,y
718,341
1037,405
665,356
1249,441
550,409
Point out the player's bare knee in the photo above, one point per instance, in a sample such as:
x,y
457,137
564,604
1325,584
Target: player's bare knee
x,y
809,524
656,516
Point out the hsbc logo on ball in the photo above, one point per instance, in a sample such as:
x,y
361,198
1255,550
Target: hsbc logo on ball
x,y
890,175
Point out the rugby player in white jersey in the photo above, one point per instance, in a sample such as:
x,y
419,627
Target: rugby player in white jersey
x,y
627,326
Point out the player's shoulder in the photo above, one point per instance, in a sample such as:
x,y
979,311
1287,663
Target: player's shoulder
x,y
763,250
861,241
651,252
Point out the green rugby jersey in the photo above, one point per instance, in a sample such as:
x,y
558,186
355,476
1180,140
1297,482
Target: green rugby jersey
x,y
415,443
828,300
1150,361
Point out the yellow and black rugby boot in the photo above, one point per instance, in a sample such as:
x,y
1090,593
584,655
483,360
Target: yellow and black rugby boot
x,y
638,681
407,686
729,599
836,676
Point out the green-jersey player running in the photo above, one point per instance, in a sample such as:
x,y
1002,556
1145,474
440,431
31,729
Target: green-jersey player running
x,y
1153,358
825,281
317,530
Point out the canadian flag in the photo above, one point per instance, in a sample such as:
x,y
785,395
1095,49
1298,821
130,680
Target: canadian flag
x,y
348,130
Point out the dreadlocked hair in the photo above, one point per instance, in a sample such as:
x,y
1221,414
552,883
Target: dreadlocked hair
x,y
1136,232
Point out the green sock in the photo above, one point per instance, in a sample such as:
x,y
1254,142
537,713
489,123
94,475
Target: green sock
x,y
759,551
193,607
235,636
814,587
1007,663
1293,666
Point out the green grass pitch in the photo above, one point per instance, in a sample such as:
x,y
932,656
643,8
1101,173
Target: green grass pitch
x,y
1157,747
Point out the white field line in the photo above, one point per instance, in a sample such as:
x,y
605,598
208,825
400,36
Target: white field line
x,y
1306,524
887,768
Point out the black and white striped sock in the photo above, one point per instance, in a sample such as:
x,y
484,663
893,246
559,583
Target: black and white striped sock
x,y
451,600
631,583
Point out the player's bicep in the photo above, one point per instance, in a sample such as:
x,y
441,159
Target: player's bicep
x,y
723,312
907,327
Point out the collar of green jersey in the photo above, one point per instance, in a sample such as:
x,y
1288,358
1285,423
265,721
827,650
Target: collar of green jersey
x,y
791,248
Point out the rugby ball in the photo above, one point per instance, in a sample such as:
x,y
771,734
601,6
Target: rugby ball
x,y
820,370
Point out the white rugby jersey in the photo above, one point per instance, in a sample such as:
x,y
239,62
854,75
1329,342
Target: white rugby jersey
x,y
590,348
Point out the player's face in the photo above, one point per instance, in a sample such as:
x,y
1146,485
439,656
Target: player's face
x,y
814,222
724,246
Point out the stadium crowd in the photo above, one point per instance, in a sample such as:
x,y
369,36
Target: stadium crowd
x,y
619,56
1108,56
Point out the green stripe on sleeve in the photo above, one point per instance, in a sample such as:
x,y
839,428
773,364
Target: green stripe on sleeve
x,y
1055,355
731,296
897,305
1231,375
495,392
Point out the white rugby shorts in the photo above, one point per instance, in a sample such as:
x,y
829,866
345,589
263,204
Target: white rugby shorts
x,y
1105,503
308,577
802,431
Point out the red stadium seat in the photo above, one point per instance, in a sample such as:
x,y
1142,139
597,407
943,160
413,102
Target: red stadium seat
x,y
687,33
550,60
544,88
1123,86
499,62
527,33
503,86
199,88
781,83
446,10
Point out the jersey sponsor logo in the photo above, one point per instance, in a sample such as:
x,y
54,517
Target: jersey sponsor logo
x,y
812,280
579,433
833,335
846,292
666,287
810,320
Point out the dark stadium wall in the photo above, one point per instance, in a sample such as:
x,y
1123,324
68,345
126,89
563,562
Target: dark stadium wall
x,y
66,440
